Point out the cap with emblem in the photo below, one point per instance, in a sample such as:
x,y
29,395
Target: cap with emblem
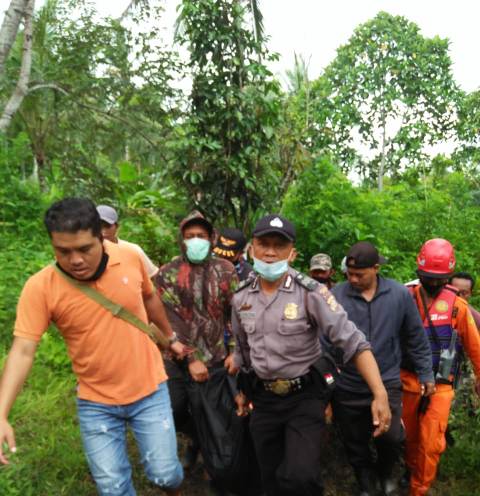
x,y
363,255
230,241
274,224
320,261
107,214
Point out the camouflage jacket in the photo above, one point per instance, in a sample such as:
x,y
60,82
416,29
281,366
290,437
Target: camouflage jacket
x,y
197,301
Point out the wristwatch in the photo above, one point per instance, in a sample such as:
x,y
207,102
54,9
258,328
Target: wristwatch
x,y
173,338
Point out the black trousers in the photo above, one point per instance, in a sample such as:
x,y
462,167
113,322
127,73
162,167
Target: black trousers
x,y
288,437
178,377
352,414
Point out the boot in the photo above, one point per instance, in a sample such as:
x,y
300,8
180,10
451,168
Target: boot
x,y
389,486
384,470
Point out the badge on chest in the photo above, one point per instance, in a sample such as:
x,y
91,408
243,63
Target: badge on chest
x,y
291,311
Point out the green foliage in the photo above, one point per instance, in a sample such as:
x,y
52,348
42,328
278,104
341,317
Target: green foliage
x,y
467,154
103,119
97,96
49,458
152,219
389,88
225,147
331,214
463,458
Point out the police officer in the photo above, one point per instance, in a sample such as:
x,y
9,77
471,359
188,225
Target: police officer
x,y
277,319
230,245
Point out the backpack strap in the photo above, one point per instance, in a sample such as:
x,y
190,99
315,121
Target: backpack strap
x,y
114,308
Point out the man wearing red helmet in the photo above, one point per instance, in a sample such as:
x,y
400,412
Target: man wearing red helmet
x,y
450,328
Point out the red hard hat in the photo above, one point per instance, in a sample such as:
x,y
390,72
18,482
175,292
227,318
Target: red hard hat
x,y
436,258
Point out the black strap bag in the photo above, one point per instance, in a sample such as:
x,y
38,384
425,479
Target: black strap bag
x,y
224,437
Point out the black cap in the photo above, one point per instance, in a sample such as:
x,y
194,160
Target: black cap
x,y
273,223
363,255
230,241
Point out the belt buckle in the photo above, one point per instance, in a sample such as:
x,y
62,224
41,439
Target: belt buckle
x,y
281,387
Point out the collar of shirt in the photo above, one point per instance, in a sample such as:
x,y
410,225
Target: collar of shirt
x,y
113,253
382,288
286,286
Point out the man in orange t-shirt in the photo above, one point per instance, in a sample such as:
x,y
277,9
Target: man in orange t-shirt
x,y
120,372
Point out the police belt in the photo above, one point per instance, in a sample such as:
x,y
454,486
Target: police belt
x,y
283,387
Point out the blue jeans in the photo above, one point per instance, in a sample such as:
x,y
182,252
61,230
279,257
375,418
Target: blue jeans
x,y
104,428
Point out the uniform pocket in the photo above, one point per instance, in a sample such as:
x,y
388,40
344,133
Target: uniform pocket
x,y
249,327
441,443
292,328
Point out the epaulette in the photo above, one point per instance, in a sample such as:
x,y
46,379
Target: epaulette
x,y
247,282
306,282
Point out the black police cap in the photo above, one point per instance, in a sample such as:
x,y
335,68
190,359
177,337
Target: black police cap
x,y
274,224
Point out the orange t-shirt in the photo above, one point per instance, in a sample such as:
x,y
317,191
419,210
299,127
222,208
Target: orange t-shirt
x,y
115,363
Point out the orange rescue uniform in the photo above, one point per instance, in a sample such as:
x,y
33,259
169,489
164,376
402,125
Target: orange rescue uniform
x,y
425,432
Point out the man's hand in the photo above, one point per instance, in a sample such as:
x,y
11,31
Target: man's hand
x,y
229,364
180,350
381,414
6,436
242,405
198,371
428,388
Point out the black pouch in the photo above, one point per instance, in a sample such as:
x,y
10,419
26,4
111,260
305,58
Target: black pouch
x,y
325,369
424,404
246,382
224,437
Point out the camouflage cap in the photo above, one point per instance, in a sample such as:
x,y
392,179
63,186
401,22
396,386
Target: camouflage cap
x,y
320,261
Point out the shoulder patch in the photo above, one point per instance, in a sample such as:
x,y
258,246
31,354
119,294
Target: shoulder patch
x,y
245,283
306,282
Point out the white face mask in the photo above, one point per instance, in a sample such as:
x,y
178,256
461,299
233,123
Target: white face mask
x,y
270,271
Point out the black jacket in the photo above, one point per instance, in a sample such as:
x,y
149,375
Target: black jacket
x,y
392,324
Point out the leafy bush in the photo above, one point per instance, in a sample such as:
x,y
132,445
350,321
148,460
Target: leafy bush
x,y
331,214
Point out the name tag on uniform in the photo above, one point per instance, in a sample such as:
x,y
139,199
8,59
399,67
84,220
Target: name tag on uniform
x,y
247,316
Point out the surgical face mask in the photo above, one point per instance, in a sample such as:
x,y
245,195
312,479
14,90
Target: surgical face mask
x,y
270,271
197,249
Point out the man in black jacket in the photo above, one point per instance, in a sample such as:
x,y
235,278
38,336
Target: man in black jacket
x,y
385,312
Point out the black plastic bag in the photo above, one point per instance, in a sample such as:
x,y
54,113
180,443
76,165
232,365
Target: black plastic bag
x,y
224,438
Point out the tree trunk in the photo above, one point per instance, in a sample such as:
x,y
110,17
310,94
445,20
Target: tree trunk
x,y
22,85
9,29
381,170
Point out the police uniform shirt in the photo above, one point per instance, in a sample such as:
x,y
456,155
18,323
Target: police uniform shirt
x,y
275,334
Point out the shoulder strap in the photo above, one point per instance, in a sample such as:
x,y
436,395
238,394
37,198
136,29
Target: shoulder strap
x,y
429,319
114,308
245,283
306,282
310,285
